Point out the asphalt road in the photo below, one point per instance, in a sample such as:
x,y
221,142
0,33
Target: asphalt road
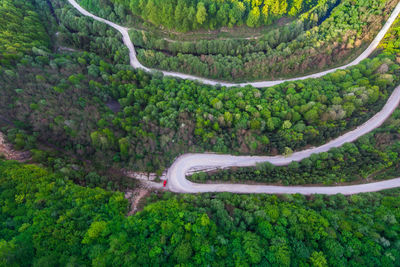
x,y
176,175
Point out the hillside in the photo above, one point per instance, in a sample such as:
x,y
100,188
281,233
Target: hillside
x,y
103,141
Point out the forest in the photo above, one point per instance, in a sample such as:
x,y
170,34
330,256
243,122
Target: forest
x,y
343,31
374,156
186,15
69,97
20,31
71,112
62,99
277,54
85,226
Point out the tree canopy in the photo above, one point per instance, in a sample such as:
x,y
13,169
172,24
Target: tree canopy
x,y
20,30
47,220
185,15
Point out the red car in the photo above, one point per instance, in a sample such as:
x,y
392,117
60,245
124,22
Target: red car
x,y
165,183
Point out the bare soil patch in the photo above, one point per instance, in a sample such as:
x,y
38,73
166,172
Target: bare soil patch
x,y
7,151
135,197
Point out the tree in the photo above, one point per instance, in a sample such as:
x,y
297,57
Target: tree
x,y
311,115
318,259
288,152
236,13
251,245
286,124
201,15
265,12
253,18
296,7
183,252
223,14
124,147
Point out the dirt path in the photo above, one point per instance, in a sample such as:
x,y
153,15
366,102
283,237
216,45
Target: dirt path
x,y
145,176
7,151
134,197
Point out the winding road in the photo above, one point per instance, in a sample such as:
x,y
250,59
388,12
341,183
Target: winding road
x,y
137,65
177,181
176,175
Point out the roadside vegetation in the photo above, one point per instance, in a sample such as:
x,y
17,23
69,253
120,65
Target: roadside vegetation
x,y
290,51
373,157
87,34
331,33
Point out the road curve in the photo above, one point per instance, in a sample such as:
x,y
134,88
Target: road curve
x,y
177,181
176,175
137,65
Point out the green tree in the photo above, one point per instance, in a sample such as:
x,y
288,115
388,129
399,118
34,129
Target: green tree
x,y
317,259
201,15
124,147
253,18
